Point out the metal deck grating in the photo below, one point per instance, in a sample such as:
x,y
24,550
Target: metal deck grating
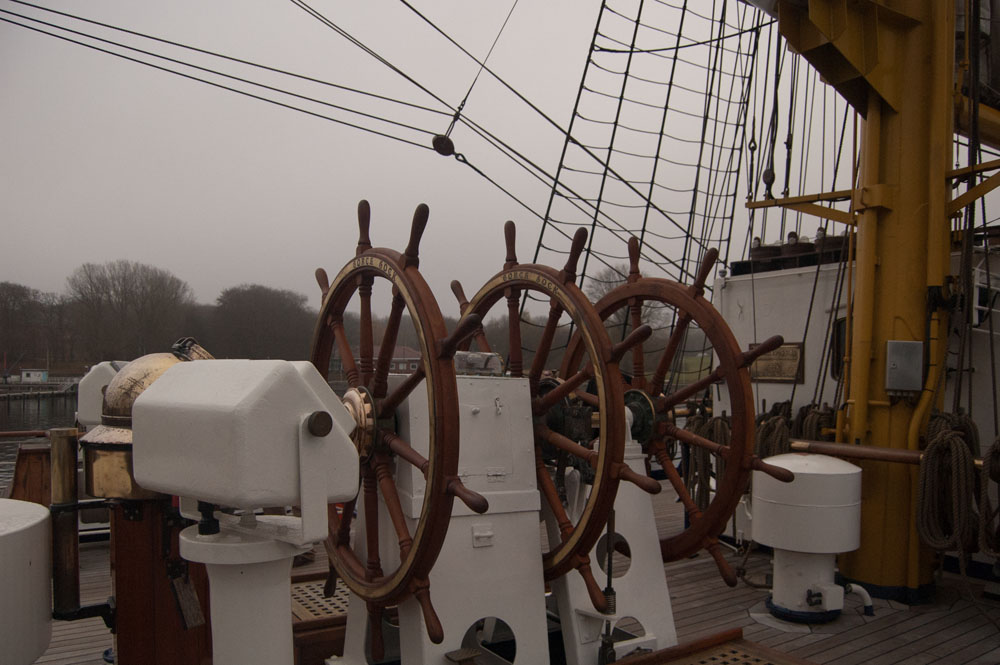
x,y
308,602
739,653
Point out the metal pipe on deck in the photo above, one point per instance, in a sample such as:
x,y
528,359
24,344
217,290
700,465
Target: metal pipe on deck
x,y
876,453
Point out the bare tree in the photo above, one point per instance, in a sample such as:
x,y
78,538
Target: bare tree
x,y
19,308
125,309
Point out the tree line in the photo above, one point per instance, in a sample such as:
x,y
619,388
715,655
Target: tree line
x,y
122,310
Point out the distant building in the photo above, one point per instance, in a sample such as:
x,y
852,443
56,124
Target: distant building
x,y
404,360
34,376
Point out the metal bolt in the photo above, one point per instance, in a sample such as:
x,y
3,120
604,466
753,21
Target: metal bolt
x,y
320,423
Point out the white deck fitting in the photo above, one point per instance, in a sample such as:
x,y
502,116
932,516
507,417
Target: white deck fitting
x,y
808,522
641,593
490,565
25,593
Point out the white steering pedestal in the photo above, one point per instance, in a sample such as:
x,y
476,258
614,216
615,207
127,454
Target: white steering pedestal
x,y
247,434
640,592
250,581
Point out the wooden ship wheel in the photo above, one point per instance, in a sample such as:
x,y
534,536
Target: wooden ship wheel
x,y
372,404
604,456
651,398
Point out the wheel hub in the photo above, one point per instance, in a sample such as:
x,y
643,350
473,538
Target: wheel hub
x,y
361,406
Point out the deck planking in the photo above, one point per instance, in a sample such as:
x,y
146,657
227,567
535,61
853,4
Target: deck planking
x,y
952,631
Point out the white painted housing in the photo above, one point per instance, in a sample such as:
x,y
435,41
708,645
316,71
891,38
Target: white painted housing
x,y
228,432
25,590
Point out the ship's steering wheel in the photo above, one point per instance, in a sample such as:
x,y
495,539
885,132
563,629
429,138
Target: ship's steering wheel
x,y
604,455
652,398
372,404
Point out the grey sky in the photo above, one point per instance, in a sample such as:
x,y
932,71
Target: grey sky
x,y
102,159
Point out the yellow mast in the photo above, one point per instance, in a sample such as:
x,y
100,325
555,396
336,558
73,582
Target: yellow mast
x,y
894,62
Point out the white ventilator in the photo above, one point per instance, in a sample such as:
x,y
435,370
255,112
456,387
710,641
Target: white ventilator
x,y
808,522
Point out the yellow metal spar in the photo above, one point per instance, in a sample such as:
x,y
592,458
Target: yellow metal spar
x,y
895,63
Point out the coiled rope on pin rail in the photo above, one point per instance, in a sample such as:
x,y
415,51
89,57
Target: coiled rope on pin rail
x,y
773,436
989,525
947,519
946,510
697,465
715,429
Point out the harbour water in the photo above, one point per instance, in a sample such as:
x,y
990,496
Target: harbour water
x,y
30,414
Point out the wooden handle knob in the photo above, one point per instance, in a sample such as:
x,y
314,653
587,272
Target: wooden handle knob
x,y
422,593
568,273
645,483
637,336
633,259
475,501
364,221
705,269
412,252
597,597
768,345
776,472
456,288
725,570
466,327
323,281
509,236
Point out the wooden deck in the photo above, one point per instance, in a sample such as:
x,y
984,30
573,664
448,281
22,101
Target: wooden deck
x,y
953,630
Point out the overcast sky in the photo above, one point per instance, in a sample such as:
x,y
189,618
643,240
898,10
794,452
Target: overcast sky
x,y
101,158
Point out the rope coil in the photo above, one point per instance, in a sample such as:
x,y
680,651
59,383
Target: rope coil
x,y
946,511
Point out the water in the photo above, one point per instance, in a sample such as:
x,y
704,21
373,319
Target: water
x,y
30,414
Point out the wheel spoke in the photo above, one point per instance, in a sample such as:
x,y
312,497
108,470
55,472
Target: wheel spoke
x,y
346,355
660,451
634,339
704,270
323,281
463,306
667,359
711,543
667,402
563,443
693,439
638,359
542,404
392,504
401,392
388,345
375,631
366,344
343,534
370,489
551,494
474,501
544,346
597,597
447,347
516,362
404,451
422,592
590,399
623,471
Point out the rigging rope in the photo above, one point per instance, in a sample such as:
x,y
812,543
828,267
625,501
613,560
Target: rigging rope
x,y
198,79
